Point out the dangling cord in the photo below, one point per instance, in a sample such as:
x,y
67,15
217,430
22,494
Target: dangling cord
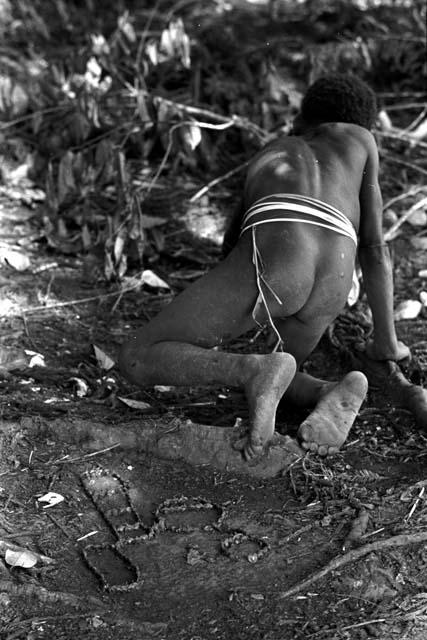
x,y
259,269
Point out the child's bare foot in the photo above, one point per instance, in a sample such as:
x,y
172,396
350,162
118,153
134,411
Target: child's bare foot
x,y
327,426
274,372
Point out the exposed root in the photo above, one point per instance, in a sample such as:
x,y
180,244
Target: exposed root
x,y
355,554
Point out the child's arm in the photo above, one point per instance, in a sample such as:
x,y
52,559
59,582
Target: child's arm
x,y
232,231
376,266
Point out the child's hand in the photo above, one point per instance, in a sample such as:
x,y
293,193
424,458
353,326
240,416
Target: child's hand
x,y
400,352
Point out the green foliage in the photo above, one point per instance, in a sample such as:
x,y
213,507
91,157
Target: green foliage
x,y
116,110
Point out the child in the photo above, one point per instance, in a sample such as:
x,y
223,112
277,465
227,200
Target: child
x,y
307,197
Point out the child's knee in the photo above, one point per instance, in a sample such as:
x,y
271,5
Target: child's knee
x,y
131,360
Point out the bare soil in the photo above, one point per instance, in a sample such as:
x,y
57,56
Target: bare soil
x,y
150,548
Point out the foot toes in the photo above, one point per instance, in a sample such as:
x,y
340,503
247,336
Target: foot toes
x,y
323,450
240,444
251,451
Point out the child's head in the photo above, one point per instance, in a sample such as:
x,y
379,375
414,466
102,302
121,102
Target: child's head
x,y
339,98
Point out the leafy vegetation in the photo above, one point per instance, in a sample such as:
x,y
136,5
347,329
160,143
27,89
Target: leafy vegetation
x,y
120,115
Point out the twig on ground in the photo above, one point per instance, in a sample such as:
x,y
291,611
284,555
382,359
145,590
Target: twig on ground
x,y
415,505
408,165
204,125
59,525
402,94
46,596
420,117
42,620
365,623
12,123
403,136
404,105
352,556
144,35
236,120
391,233
216,181
403,196
27,333
69,303
297,533
85,457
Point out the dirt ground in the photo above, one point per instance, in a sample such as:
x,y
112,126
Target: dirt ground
x,y
143,547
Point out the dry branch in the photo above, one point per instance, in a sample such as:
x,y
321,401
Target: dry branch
x,y
391,233
48,597
196,444
356,554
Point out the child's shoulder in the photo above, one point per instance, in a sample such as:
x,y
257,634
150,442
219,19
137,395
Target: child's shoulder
x,y
346,129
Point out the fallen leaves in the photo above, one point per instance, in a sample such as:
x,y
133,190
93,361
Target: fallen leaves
x,y
15,259
51,499
136,404
17,556
103,360
408,310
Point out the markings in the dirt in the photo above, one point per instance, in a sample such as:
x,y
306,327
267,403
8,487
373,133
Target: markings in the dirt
x,y
111,562
254,547
187,506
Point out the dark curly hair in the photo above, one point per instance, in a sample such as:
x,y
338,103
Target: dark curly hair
x,y
340,98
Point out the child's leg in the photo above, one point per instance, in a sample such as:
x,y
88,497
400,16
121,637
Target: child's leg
x,y
176,346
336,404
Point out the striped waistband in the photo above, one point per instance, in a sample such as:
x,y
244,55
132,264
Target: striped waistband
x,y
287,207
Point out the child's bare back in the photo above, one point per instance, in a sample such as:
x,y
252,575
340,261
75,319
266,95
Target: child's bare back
x,y
310,266
306,198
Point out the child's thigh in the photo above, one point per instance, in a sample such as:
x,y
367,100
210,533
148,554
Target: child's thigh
x,y
300,338
213,309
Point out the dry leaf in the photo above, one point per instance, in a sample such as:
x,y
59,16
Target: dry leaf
x,y
119,245
418,218
152,52
13,97
126,27
86,238
66,181
142,107
408,310
51,498
15,259
122,266
354,293
149,277
136,404
104,361
108,267
191,135
81,387
20,558
419,243
174,42
35,359
12,359
148,222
